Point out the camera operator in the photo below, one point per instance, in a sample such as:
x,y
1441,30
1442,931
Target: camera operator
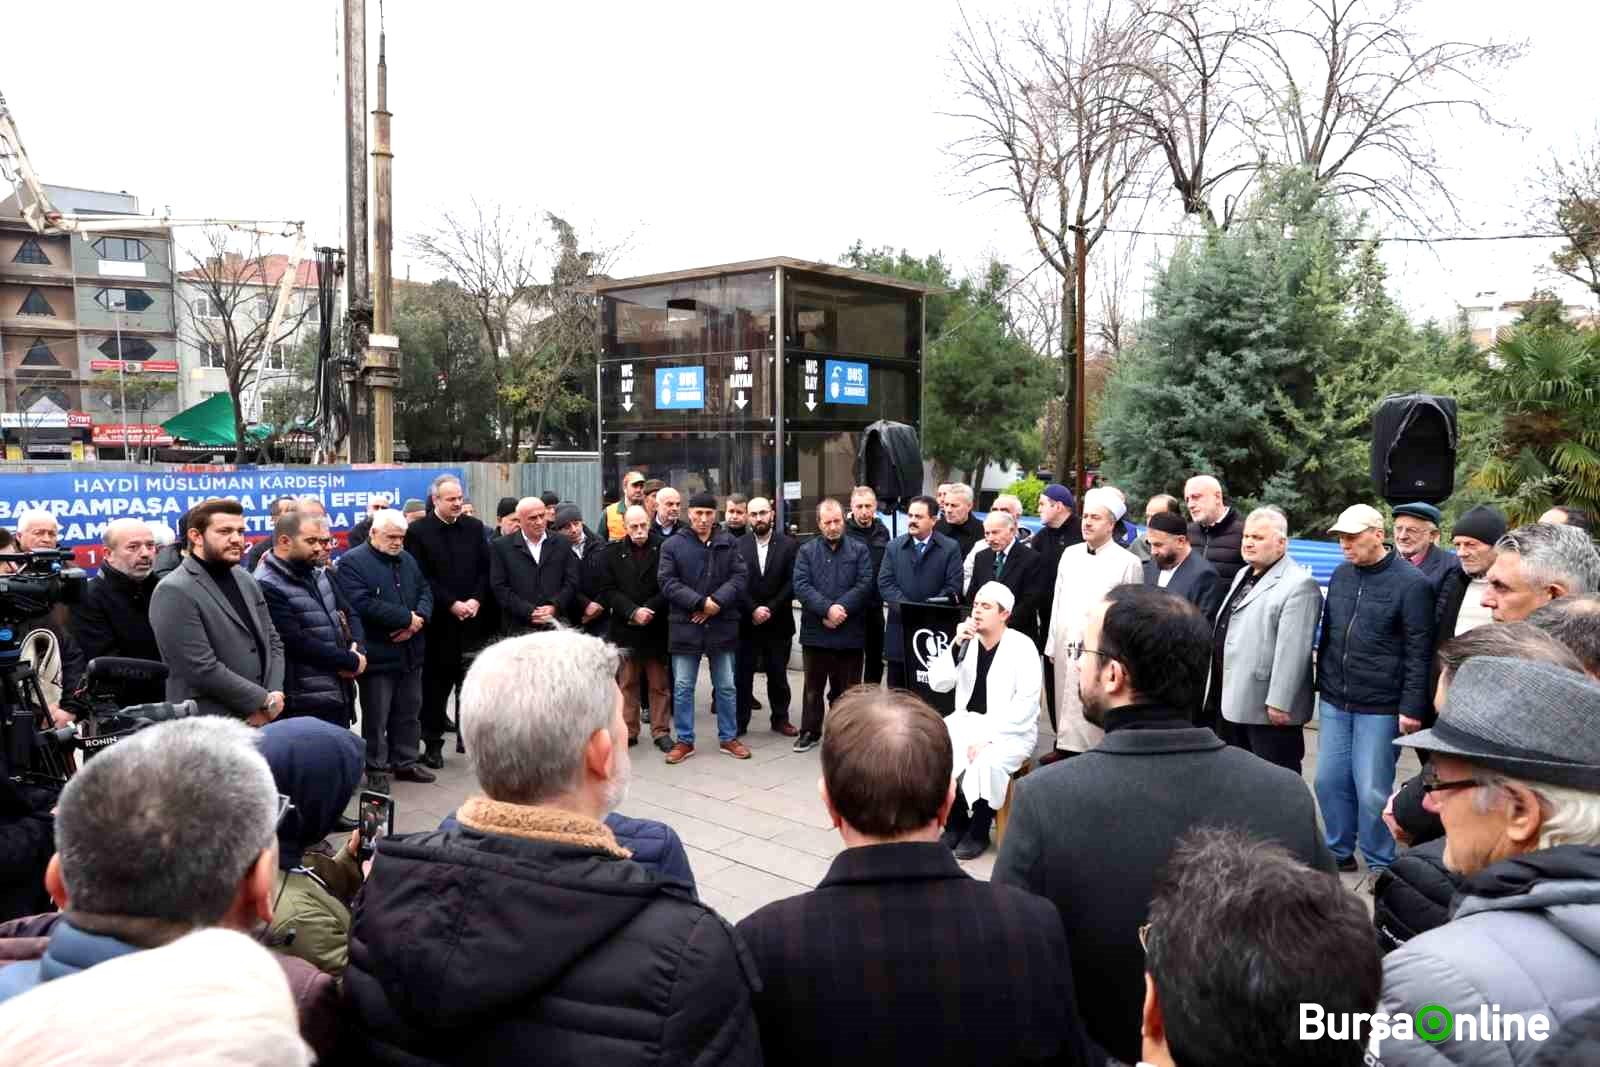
x,y
45,641
27,841
113,619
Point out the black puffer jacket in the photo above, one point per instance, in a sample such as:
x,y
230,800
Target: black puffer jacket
x,y
1377,639
310,617
493,948
113,619
1220,544
876,537
1413,895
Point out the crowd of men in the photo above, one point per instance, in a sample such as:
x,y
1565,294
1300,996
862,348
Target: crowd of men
x,y
1164,892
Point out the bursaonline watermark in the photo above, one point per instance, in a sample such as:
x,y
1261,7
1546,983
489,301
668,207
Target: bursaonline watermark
x,y
1431,1022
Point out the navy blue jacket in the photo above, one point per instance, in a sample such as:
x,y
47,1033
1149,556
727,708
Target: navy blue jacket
x,y
384,590
692,570
306,611
1377,639
655,846
905,578
826,576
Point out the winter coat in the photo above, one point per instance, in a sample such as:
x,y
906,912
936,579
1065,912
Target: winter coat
x,y
522,585
1050,542
226,662
692,570
904,578
27,841
454,558
525,933
876,538
1524,935
591,584
826,576
1436,563
655,846
167,559
317,629
1219,544
384,591
113,619
1377,639
965,536
632,583
1412,895
772,589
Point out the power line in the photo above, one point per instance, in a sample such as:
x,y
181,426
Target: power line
x,y
1376,239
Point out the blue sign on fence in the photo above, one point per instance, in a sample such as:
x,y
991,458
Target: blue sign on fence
x,y
680,388
84,502
847,382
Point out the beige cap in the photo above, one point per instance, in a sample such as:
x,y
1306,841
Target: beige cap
x,y
1357,518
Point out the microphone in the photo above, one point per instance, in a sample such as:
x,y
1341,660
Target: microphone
x,y
126,669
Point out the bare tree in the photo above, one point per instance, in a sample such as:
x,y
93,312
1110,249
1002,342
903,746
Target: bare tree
x,y
1049,134
231,296
490,252
1351,92
1567,197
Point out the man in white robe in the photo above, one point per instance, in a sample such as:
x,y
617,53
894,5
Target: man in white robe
x,y
1087,572
996,722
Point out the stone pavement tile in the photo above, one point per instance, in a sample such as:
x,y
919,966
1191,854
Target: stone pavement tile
x,y
704,863
756,887
692,831
983,867
785,862
720,813
727,905
785,806
823,843
701,776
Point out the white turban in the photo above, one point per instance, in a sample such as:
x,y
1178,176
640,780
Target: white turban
x,y
996,594
1108,499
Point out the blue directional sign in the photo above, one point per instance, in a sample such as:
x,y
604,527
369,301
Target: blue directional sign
x,y
681,388
846,382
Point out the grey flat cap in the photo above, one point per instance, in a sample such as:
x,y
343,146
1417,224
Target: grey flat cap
x,y
1529,720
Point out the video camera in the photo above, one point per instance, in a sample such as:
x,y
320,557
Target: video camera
x,y
42,579
35,749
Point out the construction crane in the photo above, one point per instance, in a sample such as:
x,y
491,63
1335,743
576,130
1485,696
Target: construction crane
x,y
43,218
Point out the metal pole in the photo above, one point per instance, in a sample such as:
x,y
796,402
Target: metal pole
x,y
122,383
1080,256
781,507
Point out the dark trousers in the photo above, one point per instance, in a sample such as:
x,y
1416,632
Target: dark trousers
x,y
896,670
767,654
1283,745
390,725
441,672
837,669
872,667
1050,690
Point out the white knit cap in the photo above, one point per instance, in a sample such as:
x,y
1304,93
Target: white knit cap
x,y
1108,499
996,594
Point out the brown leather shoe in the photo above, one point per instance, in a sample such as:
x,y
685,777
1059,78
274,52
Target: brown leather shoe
x,y
680,752
736,748
786,729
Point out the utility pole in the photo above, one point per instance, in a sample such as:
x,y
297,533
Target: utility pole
x,y
381,371
1080,257
358,279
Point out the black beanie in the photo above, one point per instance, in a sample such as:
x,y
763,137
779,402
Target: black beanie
x,y
1482,523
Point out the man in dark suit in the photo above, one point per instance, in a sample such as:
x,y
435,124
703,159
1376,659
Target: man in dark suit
x,y
1178,569
863,524
917,566
533,573
1015,566
766,628
1076,839
638,624
958,522
450,548
212,624
898,956
588,607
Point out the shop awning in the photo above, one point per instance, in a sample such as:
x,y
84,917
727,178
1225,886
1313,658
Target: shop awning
x,y
210,422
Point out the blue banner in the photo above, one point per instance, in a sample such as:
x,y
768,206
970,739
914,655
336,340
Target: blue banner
x,y
847,382
680,388
84,502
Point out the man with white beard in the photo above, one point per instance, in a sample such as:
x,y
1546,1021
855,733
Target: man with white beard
x,y
1087,572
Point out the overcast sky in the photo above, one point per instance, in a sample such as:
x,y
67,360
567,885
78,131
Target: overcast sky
x,y
690,134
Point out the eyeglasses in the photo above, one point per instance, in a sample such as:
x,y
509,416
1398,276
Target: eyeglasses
x,y
1144,937
1078,648
285,806
1432,784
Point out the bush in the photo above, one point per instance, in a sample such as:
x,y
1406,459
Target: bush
x,y
1027,490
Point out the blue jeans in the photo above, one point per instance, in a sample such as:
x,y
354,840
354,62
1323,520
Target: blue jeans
x,y
1355,775
685,669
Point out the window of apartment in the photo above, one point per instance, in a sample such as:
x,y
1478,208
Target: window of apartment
x,y
263,308
43,397
31,252
123,299
206,308
40,355
35,304
122,249
313,309
132,348
277,358
211,354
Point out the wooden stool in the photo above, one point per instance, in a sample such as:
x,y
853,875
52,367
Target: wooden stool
x,y
1003,816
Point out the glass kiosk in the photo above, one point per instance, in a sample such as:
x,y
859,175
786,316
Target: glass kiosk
x,y
698,384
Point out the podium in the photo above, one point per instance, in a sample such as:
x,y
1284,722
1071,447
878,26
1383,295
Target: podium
x,y
927,630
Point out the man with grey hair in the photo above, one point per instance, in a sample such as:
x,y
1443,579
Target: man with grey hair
x,y
171,830
959,523
1514,775
1537,563
1259,692
453,551
36,530
113,616
542,922
1215,529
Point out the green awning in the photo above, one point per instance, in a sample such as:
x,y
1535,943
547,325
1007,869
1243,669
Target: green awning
x,y
210,422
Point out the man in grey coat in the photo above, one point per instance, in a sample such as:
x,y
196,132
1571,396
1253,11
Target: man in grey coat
x,y
1260,694
212,625
1514,775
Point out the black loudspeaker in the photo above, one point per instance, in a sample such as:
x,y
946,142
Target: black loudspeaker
x,y
1414,448
890,460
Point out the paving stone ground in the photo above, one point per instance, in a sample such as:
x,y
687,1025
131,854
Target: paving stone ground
x,y
755,829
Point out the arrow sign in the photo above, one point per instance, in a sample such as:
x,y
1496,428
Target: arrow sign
x,y
738,400
627,403
811,401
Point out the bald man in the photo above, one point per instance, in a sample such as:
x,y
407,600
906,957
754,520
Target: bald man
x,y
113,617
1215,529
